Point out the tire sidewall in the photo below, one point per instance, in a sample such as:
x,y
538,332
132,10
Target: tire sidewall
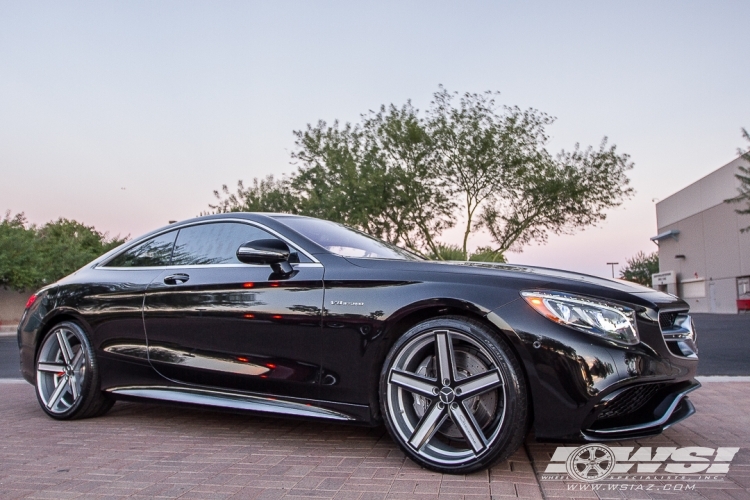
x,y
515,388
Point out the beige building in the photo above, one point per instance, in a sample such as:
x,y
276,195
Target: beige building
x,y
703,257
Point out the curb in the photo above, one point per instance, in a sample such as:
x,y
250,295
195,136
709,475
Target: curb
x,y
8,330
722,378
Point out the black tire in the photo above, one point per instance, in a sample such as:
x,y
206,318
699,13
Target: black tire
x,y
67,375
474,416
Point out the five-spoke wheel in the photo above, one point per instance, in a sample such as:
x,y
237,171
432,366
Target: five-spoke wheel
x,y
66,378
453,396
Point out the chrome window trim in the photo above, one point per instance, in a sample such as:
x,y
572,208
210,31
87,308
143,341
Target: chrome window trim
x,y
396,260
213,266
242,221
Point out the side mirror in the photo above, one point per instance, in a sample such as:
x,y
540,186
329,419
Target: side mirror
x,y
270,251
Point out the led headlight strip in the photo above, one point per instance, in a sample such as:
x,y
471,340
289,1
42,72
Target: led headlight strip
x,y
604,319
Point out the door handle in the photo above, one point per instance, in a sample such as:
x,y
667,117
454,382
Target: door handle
x,y
176,279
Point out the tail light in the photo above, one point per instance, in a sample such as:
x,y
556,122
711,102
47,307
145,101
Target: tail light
x,y
31,301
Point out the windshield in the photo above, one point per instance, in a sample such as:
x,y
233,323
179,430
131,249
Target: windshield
x,y
345,241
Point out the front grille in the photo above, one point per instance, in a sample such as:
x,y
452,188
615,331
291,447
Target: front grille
x,y
666,320
629,401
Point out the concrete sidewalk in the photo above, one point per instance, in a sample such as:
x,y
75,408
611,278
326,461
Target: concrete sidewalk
x,y
149,451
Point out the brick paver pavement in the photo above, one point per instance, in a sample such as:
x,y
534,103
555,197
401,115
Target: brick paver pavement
x,y
150,451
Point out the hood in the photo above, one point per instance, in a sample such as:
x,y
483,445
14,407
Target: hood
x,y
621,285
654,297
541,277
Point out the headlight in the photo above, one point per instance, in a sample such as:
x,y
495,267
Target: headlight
x,y
605,319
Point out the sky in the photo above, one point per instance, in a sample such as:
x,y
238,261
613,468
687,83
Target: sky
x,y
126,115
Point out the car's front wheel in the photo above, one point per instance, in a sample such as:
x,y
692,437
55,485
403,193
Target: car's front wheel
x,y
67,375
453,396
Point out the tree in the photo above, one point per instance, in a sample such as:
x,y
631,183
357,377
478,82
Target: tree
x,y
64,246
402,176
447,252
556,196
486,254
32,256
480,146
18,257
341,178
265,195
379,177
336,179
455,252
744,177
640,267
422,203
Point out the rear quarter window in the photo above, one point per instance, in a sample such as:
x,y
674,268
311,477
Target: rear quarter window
x,y
154,252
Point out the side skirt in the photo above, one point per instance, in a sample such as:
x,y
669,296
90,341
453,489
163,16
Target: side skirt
x,y
221,399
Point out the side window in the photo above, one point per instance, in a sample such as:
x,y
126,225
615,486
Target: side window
x,y
215,243
151,253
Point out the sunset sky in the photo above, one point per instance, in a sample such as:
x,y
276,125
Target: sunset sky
x,y
125,115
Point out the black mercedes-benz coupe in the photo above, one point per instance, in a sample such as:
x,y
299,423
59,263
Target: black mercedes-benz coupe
x,y
303,317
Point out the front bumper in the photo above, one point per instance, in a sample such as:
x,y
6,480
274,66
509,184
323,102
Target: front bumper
x,y
575,378
665,408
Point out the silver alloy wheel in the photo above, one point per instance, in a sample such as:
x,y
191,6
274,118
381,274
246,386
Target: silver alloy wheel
x,y
461,378
60,370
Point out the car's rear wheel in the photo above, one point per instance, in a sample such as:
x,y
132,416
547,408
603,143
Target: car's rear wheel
x,y
67,375
453,396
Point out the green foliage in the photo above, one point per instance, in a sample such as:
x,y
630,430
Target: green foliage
x,y
640,267
379,177
403,176
18,257
447,252
487,254
32,256
64,246
556,195
340,179
744,177
481,147
455,252
265,195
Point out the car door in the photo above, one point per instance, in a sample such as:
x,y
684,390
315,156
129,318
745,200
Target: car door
x,y
213,321
113,304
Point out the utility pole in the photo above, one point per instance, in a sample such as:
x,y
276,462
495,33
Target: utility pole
x,y
613,264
